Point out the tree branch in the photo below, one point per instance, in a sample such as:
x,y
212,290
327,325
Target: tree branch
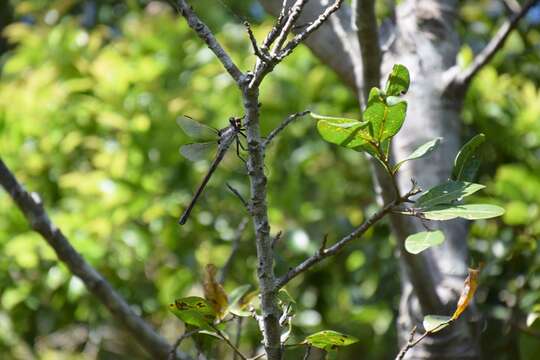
x,y
172,353
332,250
259,213
262,55
231,345
206,35
368,39
249,85
291,20
276,29
325,43
238,195
32,209
282,126
461,79
310,29
411,343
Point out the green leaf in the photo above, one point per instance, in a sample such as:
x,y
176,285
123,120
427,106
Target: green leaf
x,y
434,323
240,308
329,340
194,310
385,119
467,160
344,132
330,118
469,212
416,243
287,302
398,81
285,336
420,151
447,193
236,295
284,296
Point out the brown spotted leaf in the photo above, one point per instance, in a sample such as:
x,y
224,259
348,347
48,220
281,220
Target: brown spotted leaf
x,y
194,310
469,289
214,292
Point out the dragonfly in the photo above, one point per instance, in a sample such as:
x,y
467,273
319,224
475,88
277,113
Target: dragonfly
x,y
209,138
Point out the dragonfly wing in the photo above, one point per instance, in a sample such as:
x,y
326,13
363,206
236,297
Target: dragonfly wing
x,y
199,151
196,130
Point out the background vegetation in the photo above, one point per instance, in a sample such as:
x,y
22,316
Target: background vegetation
x,y
88,109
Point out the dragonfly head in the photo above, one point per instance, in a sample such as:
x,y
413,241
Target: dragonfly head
x,y
236,122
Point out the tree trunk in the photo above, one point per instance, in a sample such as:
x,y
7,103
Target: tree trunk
x,y
425,40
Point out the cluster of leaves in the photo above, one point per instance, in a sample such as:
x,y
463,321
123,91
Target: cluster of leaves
x,y
210,314
382,119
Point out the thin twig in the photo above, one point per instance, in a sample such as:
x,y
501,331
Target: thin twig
x,y
512,5
321,255
276,29
235,246
311,28
332,250
238,335
238,195
463,78
256,357
206,35
324,241
256,50
282,126
32,209
412,343
231,345
276,239
294,13
179,341
308,352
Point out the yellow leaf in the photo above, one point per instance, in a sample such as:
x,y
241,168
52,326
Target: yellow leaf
x,y
469,288
214,292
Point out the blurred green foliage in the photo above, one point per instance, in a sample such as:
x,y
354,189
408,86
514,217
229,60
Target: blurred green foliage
x,y
88,120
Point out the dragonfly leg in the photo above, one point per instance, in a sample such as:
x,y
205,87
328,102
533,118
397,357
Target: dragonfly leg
x,y
238,146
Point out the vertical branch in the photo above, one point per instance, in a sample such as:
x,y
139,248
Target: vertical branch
x,y
368,39
259,213
249,85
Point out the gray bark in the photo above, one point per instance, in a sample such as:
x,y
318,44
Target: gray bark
x,y
424,40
